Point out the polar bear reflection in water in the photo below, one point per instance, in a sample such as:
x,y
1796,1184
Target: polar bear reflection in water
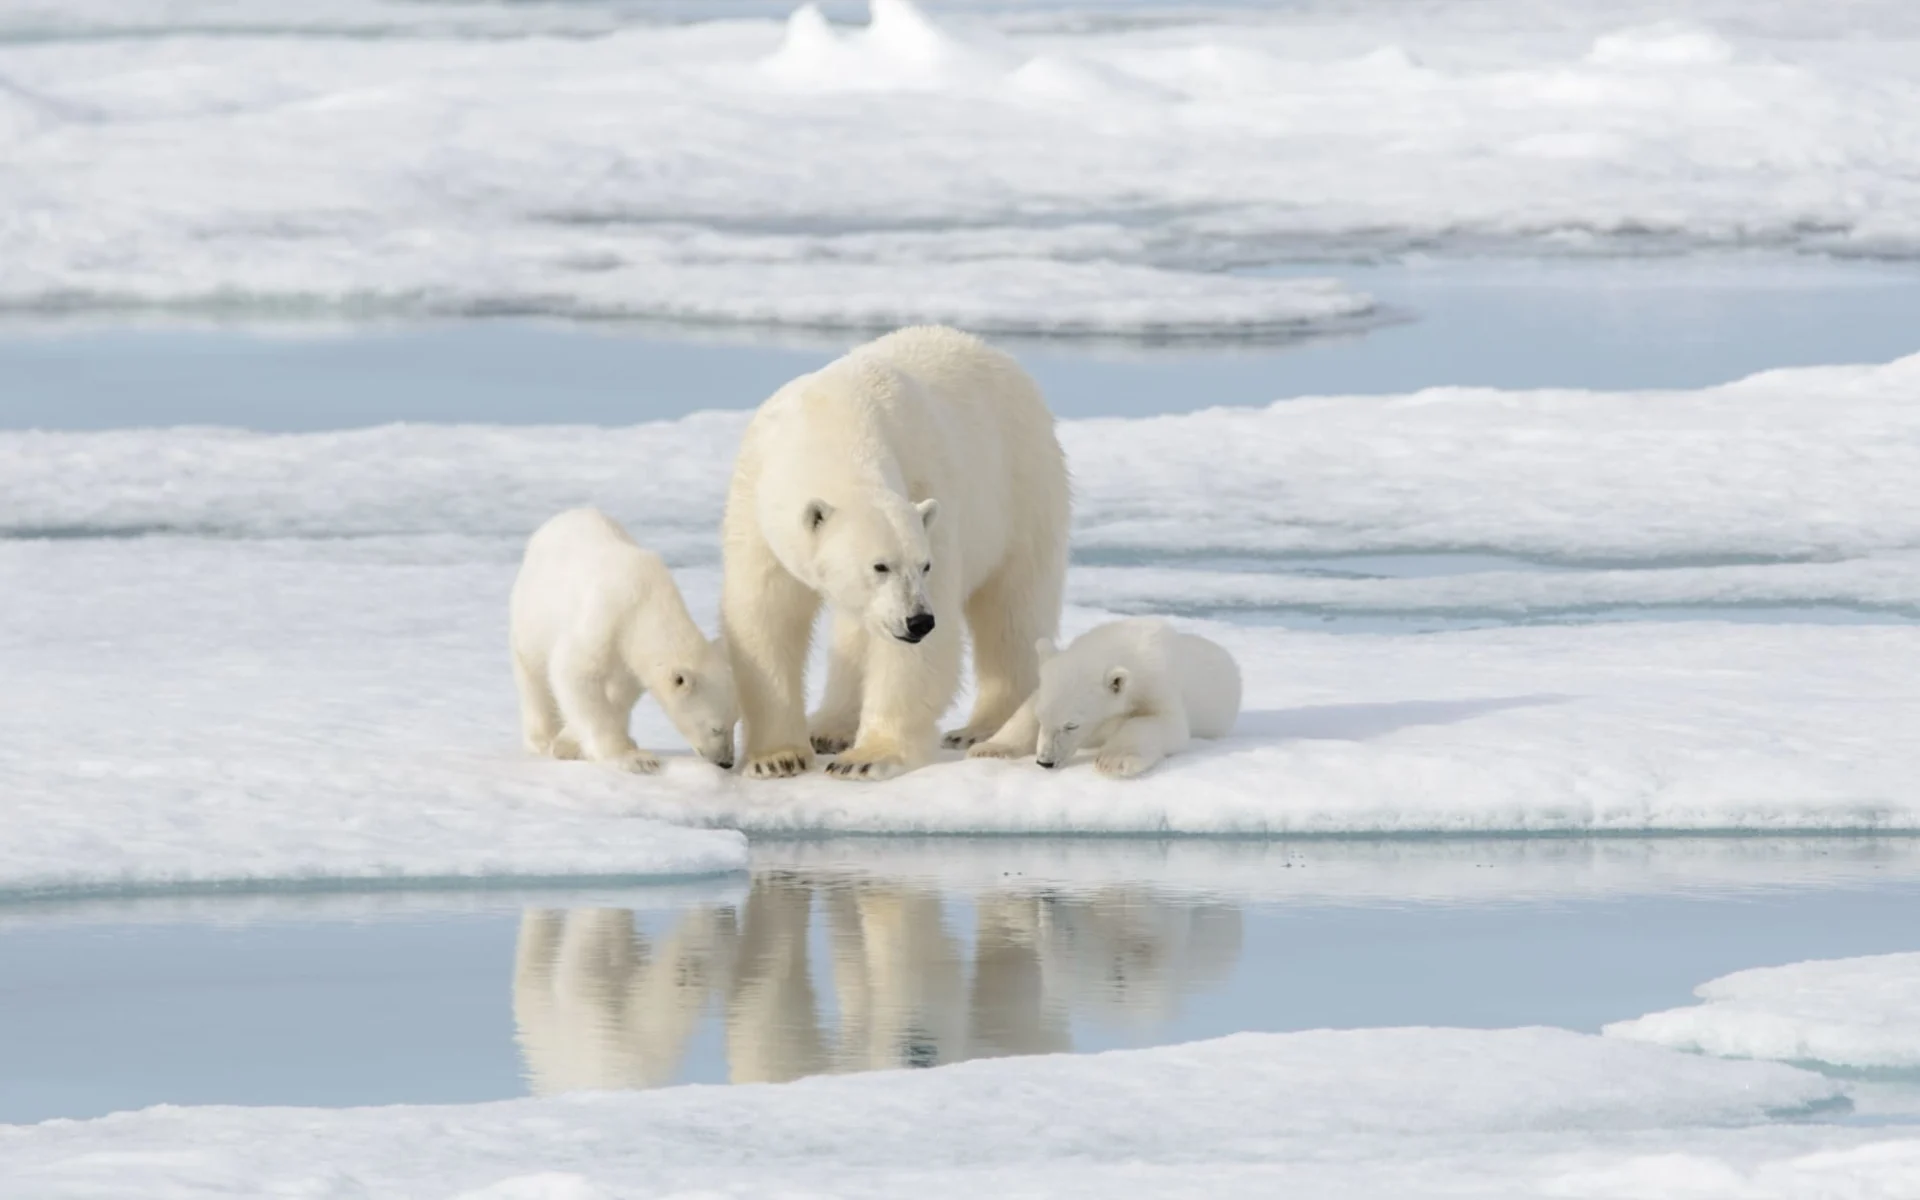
x,y
600,1004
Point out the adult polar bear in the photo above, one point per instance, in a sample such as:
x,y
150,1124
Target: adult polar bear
x,y
911,481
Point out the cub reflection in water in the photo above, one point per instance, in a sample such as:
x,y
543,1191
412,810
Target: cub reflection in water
x,y
601,1004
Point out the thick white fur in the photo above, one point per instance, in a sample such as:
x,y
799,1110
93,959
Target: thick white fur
x,y
1137,689
596,621
926,446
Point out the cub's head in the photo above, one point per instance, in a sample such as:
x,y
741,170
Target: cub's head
x,y
1076,697
874,560
697,695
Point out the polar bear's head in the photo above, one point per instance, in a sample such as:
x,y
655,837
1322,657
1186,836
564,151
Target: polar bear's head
x,y
697,694
873,560
1078,694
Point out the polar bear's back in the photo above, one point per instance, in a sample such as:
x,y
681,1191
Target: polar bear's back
x,y
965,374
1210,681
581,568
939,413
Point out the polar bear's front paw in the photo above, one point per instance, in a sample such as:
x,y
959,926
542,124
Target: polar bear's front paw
x,y
995,750
870,766
1122,765
778,764
830,743
564,746
637,762
961,739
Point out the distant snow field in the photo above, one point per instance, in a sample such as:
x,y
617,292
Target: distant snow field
x,y
1018,171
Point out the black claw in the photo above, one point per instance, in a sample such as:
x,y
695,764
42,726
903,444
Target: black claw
x,y
865,767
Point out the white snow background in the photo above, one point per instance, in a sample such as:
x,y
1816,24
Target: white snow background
x,y
1011,170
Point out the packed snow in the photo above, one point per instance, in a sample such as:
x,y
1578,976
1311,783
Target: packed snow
x,y
1403,1112
1780,475
301,674
1018,171
1850,1012
203,721
213,709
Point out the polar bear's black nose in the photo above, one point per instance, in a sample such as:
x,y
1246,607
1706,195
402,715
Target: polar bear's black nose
x,y
919,625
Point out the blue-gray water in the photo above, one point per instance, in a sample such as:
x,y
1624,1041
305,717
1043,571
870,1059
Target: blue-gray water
x,y
1658,324
860,955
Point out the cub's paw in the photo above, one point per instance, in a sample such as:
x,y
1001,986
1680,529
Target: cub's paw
x,y
1122,765
779,764
637,762
870,766
830,743
960,739
995,750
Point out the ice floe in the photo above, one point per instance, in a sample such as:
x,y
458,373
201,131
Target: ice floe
x,y
1404,1112
1850,1012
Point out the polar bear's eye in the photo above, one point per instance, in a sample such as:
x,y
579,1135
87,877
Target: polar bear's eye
x,y
1070,726
926,568
879,568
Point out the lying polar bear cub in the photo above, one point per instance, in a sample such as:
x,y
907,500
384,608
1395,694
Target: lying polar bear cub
x,y
596,621
1137,689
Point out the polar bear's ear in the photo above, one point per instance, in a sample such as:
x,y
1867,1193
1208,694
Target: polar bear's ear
x,y
1044,648
817,513
928,510
1117,680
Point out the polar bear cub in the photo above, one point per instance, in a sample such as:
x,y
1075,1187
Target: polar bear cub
x,y
1137,689
596,621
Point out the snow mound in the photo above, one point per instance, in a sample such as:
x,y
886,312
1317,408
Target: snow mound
x,y
898,48
1662,45
1848,1012
1399,1111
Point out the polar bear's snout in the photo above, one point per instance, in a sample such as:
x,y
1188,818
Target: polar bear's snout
x,y
919,625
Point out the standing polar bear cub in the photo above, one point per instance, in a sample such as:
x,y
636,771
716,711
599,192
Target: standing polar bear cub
x,y
909,484
1137,689
596,621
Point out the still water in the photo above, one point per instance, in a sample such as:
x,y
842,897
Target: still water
x,y
1617,325
861,955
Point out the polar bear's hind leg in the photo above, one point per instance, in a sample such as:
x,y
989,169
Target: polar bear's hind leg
x,y
540,720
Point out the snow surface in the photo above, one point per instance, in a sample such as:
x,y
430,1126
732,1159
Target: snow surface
x,y
1402,1112
1755,486
304,678
217,709
197,721
1847,1012
1019,172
